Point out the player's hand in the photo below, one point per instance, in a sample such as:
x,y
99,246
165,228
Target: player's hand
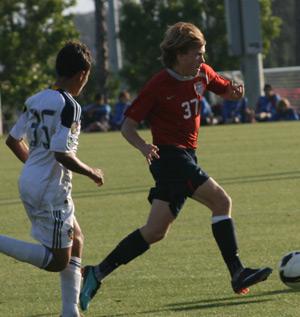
x,y
235,91
97,176
150,151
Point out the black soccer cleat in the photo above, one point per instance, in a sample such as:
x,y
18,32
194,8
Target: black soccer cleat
x,y
248,277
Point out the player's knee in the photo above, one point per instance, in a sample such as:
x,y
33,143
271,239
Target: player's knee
x,y
58,264
227,203
60,260
222,204
61,266
157,235
79,239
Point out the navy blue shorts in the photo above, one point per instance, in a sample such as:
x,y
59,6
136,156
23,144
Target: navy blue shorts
x,y
176,176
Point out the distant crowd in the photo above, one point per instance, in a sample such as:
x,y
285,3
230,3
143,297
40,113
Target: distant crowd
x,y
100,116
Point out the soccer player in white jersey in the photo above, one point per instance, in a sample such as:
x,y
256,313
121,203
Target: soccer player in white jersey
x,y
50,124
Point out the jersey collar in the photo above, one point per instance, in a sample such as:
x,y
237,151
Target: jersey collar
x,y
179,77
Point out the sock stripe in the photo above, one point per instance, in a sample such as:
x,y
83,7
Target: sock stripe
x,y
216,219
75,263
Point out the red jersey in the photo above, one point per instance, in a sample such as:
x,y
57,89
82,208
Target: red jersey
x,y
171,105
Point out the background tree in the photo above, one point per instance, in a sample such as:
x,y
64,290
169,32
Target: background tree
x,y
31,33
144,23
284,50
101,67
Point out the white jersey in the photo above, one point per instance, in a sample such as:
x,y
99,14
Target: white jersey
x,y
50,123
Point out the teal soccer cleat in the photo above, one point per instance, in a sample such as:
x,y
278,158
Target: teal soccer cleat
x,y
90,286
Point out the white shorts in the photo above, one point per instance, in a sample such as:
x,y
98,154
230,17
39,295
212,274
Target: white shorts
x,y
52,228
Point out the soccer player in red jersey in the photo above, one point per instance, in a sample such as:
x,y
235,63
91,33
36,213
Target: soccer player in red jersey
x,y
170,102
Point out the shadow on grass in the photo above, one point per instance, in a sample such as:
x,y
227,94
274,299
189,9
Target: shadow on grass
x,y
89,193
44,315
211,303
238,297
179,307
271,177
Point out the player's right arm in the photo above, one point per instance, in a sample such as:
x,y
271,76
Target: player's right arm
x,y
15,140
129,131
74,164
18,147
139,110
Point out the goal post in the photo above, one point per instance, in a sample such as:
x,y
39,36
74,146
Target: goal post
x,y
244,40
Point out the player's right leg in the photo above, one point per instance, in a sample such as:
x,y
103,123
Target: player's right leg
x,y
41,255
32,253
216,199
132,246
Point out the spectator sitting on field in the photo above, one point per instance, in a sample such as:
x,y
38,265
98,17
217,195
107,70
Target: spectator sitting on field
x,y
96,116
284,111
237,111
267,104
207,115
119,109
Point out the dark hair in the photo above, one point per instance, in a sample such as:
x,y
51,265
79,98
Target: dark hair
x,y
73,58
99,96
268,87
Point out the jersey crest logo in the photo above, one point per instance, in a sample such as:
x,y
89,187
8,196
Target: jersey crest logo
x,y
199,89
71,234
75,127
170,97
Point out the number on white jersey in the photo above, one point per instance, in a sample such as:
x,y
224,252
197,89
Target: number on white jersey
x,y
40,126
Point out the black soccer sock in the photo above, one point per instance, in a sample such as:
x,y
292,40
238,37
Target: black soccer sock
x,y
128,249
225,237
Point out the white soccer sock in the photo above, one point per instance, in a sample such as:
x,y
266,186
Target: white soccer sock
x,y
216,219
35,254
70,279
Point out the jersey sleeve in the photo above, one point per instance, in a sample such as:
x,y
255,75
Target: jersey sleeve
x,y
215,82
18,131
65,138
142,105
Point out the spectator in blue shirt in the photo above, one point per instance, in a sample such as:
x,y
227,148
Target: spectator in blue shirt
x,y
119,109
285,111
267,104
207,116
96,116
237,111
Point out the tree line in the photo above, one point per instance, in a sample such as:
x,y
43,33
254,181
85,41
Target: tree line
x,y
32,31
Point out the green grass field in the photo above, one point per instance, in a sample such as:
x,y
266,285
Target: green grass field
x,y
183,275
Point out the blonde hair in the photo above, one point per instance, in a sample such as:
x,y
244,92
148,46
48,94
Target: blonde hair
x,y
179,38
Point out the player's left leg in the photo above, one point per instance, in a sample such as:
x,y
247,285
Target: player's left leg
x,y
212,195
70,277
132,246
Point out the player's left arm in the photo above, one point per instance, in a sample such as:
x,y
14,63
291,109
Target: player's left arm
x,y
234,91
222,86
73,163
18,147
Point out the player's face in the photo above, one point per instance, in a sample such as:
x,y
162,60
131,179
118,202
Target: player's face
x,y
189,63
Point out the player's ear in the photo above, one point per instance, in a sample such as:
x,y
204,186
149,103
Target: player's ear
x,y
84,74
